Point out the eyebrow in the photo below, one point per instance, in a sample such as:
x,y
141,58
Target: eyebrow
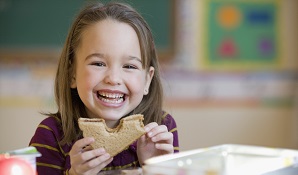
x,y
100,55
135,58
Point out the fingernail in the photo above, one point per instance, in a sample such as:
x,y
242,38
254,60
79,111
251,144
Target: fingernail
x,y
146,129
101,150
107,155
150,134
92,139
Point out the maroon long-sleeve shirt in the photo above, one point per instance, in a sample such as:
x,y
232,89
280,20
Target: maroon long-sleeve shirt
x,y
55,157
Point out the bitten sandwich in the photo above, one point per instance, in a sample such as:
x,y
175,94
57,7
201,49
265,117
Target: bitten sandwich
x,y
113,140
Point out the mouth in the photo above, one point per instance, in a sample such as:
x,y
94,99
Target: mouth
x,y
113,98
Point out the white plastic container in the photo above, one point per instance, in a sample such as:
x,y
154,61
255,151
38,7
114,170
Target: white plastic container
x,y
28,154
222,160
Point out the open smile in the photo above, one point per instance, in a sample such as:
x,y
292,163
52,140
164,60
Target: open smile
x,y
112,98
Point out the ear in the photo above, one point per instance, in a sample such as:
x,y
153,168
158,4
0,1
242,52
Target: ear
x,y
73,83
149,77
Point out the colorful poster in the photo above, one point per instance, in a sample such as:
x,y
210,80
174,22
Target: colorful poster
x,y
242,34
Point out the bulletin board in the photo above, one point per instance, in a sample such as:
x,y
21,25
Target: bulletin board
x,y
242,34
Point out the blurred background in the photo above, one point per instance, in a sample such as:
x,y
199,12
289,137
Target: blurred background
x,y
229,68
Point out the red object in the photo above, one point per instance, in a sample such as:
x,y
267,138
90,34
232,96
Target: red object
x,y
15,166
227,48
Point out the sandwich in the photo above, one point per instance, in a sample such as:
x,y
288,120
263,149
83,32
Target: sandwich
x,y
113,140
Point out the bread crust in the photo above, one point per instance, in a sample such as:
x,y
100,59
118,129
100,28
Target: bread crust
x,y
113,140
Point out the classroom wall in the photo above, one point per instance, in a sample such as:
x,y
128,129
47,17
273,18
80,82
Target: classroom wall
x,y
204,125
199,125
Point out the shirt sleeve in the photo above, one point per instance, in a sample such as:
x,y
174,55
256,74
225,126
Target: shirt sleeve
x,y
169,121
46,140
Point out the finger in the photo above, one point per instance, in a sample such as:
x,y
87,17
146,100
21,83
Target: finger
x,y
157,130
166,148
150,126
88,155
80,144
99,167
104,164
81,159
87,148
142,139
166,137
87,161
97,161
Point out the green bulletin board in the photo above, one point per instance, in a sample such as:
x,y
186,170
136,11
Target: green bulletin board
x,y
45,23
242,34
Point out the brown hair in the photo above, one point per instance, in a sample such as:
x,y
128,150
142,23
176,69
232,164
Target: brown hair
x,y
70,106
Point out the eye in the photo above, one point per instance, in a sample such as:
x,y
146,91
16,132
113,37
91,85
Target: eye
x,y
100,64
129,66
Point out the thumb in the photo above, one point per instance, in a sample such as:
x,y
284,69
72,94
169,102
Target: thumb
x,y
142,140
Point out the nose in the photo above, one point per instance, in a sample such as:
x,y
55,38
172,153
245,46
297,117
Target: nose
x,y
113,77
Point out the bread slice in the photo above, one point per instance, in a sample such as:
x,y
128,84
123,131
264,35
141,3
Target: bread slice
x,y
113,140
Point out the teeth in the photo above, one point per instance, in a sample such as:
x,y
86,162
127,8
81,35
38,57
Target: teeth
x,y
114,101
111,95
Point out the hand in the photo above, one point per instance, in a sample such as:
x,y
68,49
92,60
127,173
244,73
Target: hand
x,y
157,141
86,160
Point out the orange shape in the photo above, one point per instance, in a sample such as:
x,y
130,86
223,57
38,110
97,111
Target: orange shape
x,y
229,16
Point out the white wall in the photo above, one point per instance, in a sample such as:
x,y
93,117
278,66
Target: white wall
x,y
204,127
17,127
197,127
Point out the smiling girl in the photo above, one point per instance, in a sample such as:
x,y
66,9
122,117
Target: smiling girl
x,y
108,69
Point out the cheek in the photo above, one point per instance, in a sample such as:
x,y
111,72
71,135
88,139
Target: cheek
x,y
86,80
136,84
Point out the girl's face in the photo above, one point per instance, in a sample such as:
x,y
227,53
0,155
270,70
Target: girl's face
x,y
109,76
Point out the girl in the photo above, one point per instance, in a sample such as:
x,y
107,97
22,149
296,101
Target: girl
x,y
108,69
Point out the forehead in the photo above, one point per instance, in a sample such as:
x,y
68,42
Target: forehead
x,y
110,35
